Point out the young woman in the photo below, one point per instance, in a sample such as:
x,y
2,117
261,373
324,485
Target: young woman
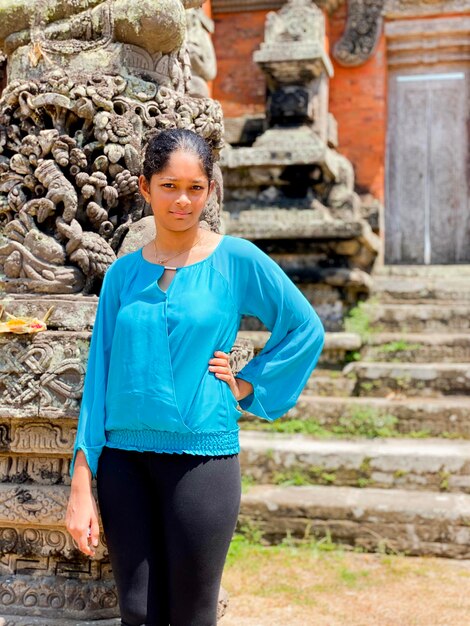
x,y
158,420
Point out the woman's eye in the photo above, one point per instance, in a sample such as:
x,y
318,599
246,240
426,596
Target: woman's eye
x,y
198,187
168,185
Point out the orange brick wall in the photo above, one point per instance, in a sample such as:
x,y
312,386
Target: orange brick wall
x,y
358,99
357,95
239,85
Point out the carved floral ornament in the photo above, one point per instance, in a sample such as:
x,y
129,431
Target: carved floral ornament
x,y
70,156
361,34
298,20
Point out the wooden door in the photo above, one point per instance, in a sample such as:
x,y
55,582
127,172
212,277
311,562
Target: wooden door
x,y
427,212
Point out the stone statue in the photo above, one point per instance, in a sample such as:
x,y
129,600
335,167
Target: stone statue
x,y
88,83
201,51
154,25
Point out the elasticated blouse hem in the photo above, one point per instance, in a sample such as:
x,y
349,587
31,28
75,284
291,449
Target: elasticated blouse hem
x,y
207,443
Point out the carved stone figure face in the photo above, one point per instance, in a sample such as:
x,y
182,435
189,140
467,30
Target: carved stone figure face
x,y
178,193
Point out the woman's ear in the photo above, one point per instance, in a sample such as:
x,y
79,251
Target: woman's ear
x,y
144,188
211,187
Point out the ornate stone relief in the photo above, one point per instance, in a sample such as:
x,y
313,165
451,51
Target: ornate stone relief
x,y
291,189
89,82
362,33
70,149
201,52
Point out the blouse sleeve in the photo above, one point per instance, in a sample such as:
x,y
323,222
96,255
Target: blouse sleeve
x,y
90,436
280,371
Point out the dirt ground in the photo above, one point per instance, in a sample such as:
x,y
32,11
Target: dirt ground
x,y
299,587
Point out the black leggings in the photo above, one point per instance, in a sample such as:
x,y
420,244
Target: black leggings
x,y
168,520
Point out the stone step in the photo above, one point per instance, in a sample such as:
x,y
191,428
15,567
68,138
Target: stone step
x,y
449,415
412,379
420,318
428,523
424,271
421,288
334,351
415,464
323,382
417,347
22,620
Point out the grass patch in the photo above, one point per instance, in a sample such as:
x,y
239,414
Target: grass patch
x,y
247,482
366,422
359,319
399,346
356,422
315,476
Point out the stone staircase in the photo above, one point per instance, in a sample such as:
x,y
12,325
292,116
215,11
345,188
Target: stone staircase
x,y
376,453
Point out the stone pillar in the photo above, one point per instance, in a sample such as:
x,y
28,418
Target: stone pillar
x,y
84,93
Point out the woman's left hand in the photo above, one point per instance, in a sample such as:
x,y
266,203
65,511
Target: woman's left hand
x,y
220,365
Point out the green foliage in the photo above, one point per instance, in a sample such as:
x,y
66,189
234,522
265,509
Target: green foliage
x,y
247,482
366,422
399,346
248,541
315,475
399,473
352,578
358,421
292,426
444,480
359,319
352,356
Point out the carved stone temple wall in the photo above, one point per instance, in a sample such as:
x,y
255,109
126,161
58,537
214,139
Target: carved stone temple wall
x,y
88,83
287,185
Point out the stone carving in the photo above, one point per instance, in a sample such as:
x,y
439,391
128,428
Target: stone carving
x,y
294,48
89,82
154,25
70,148
201,52
362,33
41,371
291,189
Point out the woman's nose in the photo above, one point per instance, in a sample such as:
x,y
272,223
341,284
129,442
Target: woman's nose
x,y
183,200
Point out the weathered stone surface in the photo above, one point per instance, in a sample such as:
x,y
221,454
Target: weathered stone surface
x,y
244,129
425,523
417,318
417,347
87,87
293,50
421,290
449,415
335,348
431,464
414,379
18,620
291,224
428,272
324,382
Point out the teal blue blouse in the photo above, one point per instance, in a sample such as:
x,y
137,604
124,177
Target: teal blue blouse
x,y
148,385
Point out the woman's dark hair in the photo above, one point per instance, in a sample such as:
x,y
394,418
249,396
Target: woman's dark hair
x,y
162,145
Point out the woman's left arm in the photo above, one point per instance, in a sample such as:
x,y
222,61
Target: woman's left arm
x,y
279,372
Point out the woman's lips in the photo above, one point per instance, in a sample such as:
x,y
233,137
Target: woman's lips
x,y
180,213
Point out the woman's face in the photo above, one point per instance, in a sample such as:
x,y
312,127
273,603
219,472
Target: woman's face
x,y
178,193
